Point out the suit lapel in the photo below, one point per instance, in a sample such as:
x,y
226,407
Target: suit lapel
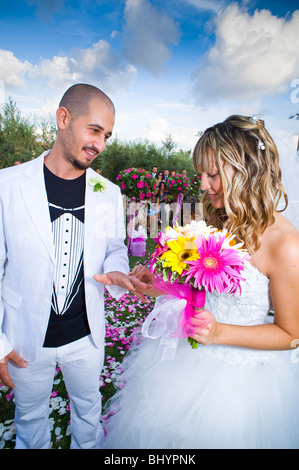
x,y
91,202
35,197
97,216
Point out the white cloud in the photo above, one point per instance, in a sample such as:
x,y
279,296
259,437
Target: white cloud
x,y
252,55
13,70
156,130
148,34
98,64
49,106
214,5
58,70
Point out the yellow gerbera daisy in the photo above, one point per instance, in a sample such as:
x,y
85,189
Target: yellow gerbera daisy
x,y
181,250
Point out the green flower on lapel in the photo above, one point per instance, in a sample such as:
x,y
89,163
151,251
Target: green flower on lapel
x,y
98,184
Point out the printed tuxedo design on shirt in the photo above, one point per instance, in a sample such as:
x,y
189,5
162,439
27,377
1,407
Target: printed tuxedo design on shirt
x,y
68,238
68,319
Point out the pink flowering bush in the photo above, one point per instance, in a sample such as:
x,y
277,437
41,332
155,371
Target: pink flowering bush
x,y
136,183
194,187
178,184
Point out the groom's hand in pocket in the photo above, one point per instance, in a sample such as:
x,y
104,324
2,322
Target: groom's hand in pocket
x,y
5,378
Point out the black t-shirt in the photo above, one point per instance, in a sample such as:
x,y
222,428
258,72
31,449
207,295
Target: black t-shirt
x,y
68,319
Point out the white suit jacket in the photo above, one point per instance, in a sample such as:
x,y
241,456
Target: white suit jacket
x,y
27,256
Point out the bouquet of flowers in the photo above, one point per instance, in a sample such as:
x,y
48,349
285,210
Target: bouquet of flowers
x,y
187,262
136,183
178,185
195,189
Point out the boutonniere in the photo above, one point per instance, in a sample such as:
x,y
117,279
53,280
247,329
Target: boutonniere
x,y
98,184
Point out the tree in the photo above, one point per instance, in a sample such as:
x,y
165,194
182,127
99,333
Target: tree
x,y
48,131
180,161
19,139
168,145
120,155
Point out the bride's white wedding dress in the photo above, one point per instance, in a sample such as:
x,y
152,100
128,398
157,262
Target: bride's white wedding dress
x,y
211,397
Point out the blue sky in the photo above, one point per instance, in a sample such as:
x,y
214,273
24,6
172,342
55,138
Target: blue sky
x,y
172,67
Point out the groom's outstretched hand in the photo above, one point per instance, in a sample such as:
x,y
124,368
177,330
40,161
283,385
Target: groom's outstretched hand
x,y
139,281
128,282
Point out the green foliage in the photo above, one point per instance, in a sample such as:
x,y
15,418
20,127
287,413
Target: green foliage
x,y
195,186
22,139
120,155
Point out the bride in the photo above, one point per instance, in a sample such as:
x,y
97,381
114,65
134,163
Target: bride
x,y
240,387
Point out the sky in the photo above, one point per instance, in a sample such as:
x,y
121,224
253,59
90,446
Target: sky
x,y
171,67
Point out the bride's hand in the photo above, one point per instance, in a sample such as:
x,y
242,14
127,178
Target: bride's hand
x,y
142,273
209,333
139,281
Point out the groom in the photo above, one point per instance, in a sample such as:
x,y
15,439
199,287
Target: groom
x,y
58,237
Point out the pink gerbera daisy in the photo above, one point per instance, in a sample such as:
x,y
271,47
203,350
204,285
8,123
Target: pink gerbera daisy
x,y
217,268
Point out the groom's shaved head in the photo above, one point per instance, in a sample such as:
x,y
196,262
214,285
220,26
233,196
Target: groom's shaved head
x,y
78,97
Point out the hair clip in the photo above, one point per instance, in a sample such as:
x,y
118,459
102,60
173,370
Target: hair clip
x,y
261,145
255,118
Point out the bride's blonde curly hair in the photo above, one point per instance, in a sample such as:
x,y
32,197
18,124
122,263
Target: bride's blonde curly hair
x,y
248,162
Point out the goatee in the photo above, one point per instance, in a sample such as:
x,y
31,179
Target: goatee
x,y
80,165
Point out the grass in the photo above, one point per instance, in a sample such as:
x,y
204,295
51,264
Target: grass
x,y
122,318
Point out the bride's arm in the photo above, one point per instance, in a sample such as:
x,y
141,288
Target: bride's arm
x,y
284,288
264,337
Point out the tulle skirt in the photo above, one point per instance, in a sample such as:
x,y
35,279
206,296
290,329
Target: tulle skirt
x,y
213,397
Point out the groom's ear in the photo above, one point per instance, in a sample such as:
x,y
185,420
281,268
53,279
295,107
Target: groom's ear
x,y
63,118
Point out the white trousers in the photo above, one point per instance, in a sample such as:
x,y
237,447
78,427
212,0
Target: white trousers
x,y
81,364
